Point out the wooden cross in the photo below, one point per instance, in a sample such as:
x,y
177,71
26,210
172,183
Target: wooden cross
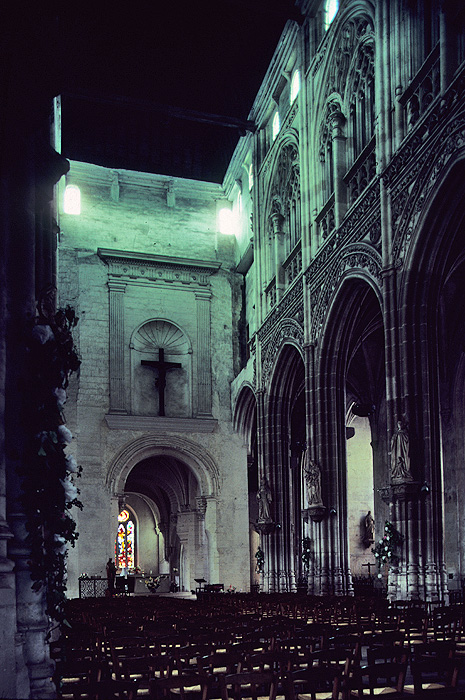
x,y
160,382
369,564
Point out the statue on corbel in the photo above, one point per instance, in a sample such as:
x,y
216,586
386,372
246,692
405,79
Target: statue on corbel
x,y
264,522
400,454
312,477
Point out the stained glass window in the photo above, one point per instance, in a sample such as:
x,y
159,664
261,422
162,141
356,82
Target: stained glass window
x,y
125,541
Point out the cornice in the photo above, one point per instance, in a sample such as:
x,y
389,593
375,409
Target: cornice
x,y
160,424
98,175
128,265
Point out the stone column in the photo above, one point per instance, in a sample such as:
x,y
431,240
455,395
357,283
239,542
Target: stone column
x,y
204,377
116,341
277,220
339,165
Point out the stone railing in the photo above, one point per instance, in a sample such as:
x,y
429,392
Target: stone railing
x,y
362,172
326,219
293,265
422,91
270,295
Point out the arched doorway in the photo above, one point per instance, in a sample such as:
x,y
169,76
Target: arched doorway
x,y
351,434
284,443
172,492
433,336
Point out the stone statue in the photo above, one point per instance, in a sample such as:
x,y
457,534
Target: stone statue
x,y
312,476
400,454
264,499
369,528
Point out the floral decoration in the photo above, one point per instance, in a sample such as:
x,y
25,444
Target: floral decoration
x,y
153,582
47,472
260,557
385,550
306,552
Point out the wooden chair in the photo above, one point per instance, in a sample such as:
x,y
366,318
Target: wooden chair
x,y
435,669
181,687
379,678
107,690
314,683
252,685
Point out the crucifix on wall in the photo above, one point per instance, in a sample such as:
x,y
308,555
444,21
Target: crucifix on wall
x,y
160,382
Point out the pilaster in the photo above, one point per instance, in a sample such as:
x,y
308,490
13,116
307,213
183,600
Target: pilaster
x,y
116,342
204,378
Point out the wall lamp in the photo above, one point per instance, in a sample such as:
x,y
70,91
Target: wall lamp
x,y
425,488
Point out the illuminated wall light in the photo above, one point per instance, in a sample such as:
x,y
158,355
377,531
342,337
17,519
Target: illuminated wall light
x,y
72,200
227,222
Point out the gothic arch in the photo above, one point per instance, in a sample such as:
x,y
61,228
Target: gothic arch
x,y
289,331
193,455
432,335
244,412
285,429
358,260
349,369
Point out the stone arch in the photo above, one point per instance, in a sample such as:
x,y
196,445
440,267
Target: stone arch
x,y
349,369
244,408
193,455
285,428
432,336
289,331
358,260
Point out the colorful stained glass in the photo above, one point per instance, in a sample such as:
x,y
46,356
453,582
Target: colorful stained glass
x,y
125,542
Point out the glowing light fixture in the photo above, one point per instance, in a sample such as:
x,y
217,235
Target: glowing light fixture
x,y
227,222
276,125
295,86
72,200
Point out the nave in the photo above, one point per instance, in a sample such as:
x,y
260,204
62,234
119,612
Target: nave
x,y
273,646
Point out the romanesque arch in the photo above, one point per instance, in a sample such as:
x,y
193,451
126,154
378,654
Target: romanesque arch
x,y
150,445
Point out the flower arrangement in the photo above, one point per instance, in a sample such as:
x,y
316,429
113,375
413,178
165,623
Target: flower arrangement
x,y
260,557
306,553
152,583
48,489
385,548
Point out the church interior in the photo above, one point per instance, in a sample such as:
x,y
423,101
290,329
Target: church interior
x,y
232,326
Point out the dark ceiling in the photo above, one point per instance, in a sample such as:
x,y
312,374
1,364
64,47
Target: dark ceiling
x,y
137,79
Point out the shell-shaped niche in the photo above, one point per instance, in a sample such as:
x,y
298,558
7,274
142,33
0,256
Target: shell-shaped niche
x,y
161,334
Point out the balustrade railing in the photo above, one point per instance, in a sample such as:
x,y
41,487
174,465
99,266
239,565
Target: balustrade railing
x,y
362,172
326,219
293,265
423,89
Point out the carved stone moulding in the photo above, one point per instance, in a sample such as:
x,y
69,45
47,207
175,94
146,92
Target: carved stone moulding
x,y
265,527
406,491
314,513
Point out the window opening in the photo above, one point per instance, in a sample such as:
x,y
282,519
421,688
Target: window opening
x,y
295,85
72,200
125,541
331,8
276,125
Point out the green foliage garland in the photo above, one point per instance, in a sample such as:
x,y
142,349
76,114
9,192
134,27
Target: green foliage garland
x,y
385,549
48,491
260,557
306,552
